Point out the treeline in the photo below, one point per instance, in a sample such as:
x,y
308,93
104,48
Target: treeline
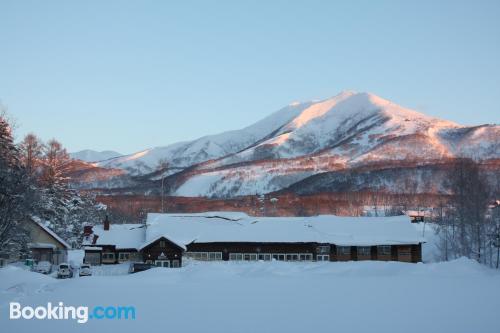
x,y
469,225
34,185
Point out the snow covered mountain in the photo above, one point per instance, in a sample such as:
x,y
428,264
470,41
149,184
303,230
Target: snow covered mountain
x,y
346,131
350,130
88,155
184,154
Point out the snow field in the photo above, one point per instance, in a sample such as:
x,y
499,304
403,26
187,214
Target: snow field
x,y
458,296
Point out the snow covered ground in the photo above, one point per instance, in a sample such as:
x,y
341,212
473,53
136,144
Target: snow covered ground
x,y
458,296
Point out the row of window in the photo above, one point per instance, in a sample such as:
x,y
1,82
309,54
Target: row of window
x,y
108,256
205,256
322,256
165,263
364,250
122,256
271,256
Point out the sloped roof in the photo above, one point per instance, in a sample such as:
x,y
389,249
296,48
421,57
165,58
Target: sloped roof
x,y
50,232
123,236
238,227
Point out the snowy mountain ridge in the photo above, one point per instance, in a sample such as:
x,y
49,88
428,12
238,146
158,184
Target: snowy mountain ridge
x,y
303,139
89,155
322,117
185,154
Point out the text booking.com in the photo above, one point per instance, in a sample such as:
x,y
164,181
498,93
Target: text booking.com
x,y
59,311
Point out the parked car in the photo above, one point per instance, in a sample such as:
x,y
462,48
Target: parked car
x,y
43,267
64,271
139,267
85,270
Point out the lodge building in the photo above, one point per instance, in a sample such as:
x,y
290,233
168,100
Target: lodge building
x,y
165,239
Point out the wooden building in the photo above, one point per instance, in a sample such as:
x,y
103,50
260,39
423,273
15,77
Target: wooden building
x,y
45,244
162,252
112,243
166,238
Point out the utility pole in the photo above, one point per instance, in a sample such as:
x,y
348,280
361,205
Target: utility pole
x,y
163,168
496,243
162,193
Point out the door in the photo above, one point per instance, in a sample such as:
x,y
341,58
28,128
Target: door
x,y
162,263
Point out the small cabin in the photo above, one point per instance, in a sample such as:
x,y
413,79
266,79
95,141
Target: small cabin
x,y
45,244
112,243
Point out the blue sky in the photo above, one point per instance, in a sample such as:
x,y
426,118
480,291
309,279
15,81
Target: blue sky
x,y
130,75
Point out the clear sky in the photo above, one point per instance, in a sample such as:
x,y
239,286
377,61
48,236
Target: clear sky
x,y
128,75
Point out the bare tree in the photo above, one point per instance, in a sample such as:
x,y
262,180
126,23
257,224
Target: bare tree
x,y
31,149
56,164
465,231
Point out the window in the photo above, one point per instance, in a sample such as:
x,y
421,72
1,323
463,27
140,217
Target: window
x,y
175,263
149,262
292,257
215,256
384,250
163,243
162,263
205,256
250,256
108,256
265,256
235,256
123,256
323,257
279,257
344,250
305,257
323,249
364,251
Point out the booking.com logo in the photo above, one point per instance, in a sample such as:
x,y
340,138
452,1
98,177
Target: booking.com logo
x,y
63,312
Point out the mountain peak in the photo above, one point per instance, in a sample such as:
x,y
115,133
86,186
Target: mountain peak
x,y
88,155
299,128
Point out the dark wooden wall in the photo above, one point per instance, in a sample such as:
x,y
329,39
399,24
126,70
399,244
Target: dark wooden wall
x,y
170,250
254,247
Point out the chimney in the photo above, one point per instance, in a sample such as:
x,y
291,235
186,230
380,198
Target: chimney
x,y
106,223
87,230
94,239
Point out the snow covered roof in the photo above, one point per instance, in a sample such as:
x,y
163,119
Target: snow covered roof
x,y
50,232
239,227
122,236
41,246
92,248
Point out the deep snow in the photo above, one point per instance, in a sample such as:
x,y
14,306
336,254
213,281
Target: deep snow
x,y
458,296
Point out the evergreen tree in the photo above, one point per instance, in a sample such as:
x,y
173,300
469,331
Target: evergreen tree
x,y
15,194
62,208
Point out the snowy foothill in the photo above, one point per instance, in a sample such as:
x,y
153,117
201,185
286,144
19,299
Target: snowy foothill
x,y
457,296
